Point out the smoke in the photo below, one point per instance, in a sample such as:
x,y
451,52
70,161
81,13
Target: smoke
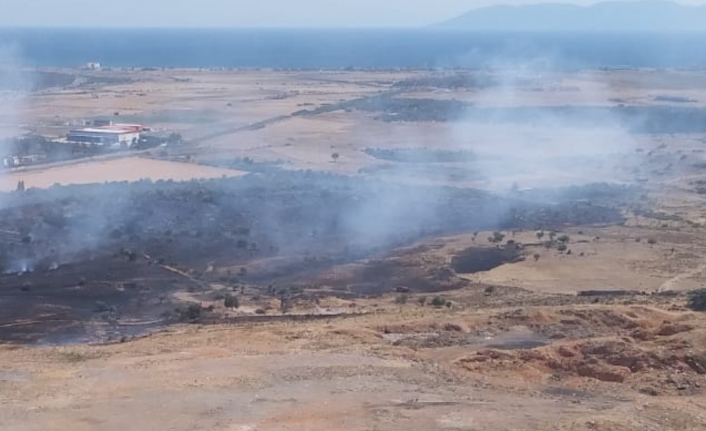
x,y
519,131
14,87
13,90
540,126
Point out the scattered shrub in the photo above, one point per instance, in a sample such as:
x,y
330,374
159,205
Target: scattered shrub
x,y
422,301
401,299
562,247
497,237
231,301
438,302
697,299
189,312
651,241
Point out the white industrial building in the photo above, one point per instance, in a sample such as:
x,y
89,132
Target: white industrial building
x,y
115,136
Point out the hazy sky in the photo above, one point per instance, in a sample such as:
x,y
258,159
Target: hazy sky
x,y
241,13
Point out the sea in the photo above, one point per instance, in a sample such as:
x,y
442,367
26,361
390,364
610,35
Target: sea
x,y
340,49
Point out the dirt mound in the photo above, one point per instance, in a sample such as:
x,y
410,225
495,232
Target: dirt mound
x,y
641,347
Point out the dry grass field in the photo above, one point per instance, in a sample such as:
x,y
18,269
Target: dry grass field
x,y
432,347
115,170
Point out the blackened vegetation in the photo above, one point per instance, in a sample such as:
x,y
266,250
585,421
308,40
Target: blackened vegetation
x,y
397,109
596,193
12,80
244,164
453,81
280,212
130,246
697,300
478,259
636,119
675,99
23,80
421,155
404,109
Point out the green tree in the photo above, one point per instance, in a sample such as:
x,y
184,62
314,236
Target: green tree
x,y
231,301
497,237
438,301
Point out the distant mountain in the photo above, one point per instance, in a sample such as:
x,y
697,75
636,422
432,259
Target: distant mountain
x,y
613,16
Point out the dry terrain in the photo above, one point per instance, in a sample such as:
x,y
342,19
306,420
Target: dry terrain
x,y
500,251
123,169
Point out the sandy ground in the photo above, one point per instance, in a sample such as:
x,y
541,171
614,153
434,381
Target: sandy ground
x,y
125,169
345,375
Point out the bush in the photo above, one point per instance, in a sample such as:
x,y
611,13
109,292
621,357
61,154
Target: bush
x,y
231,301
438,302
401,299
422,301
497,237
562,247
189,312
651,241
697,299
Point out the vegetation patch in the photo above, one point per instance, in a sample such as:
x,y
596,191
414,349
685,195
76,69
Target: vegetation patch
x,y
421,155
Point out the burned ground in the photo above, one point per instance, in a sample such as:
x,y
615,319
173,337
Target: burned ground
x,y
262,229
475,259
636,119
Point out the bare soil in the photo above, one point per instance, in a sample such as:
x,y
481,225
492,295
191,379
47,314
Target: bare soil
x,y
124,169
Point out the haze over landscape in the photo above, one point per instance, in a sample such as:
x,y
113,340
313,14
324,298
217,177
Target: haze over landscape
x,y
352,215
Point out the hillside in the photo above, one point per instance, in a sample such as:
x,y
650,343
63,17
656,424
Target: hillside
x,y
619,16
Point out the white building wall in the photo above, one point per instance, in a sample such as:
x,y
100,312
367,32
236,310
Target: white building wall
x,y
128,138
